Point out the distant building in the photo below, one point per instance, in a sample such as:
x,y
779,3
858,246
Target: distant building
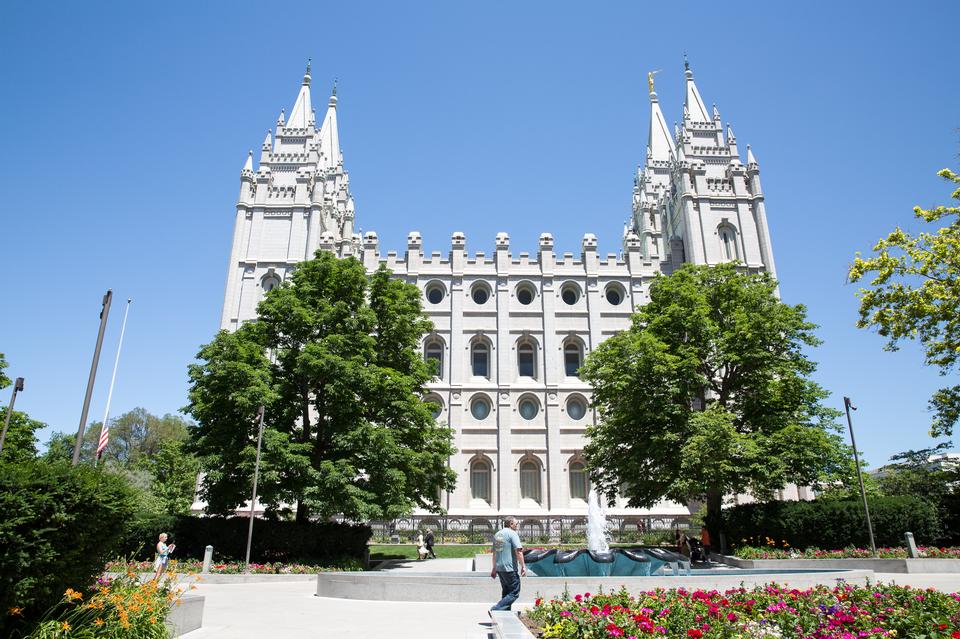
x,y
511,328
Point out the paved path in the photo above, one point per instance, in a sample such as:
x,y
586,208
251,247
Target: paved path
x,y
430,565
291,610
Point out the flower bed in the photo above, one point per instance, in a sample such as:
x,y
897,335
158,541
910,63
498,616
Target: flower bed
x,y
234,568
114,607
931,552
768,612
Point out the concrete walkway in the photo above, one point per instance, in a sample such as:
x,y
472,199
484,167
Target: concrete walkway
x,y
291,610
428,565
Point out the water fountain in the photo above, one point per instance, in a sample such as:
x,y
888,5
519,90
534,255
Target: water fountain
x,y
598,559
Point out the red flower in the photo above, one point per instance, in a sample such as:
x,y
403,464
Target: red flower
x,y
956,634
693,632
614,630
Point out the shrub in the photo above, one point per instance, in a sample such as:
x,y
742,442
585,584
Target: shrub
x,y
831,523
60,526
284,541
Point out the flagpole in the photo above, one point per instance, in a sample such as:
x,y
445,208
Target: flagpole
x,y
104,429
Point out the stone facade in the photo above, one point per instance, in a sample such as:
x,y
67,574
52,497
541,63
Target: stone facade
x,y
510,328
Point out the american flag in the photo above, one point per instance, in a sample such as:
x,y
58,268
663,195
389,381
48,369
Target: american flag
x,y
104,438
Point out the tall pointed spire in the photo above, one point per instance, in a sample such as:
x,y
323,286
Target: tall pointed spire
x,y
659,144
693,104
750,158
302,108
329,132
248,165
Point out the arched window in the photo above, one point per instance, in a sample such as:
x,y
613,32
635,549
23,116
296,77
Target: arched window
x,y
576,408
433,353
578,480
435,292
570,293
436,405
614,294
528,407
530,480
480,480
728,243
572,357
479,407
480,359
269,283
527,359
480,293
525,293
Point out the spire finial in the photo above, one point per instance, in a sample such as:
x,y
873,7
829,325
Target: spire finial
x,y
686,62
334,86
650,75
306,75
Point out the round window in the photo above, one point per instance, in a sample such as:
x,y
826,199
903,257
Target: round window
x,y
614,295
480,293
528,408
576,408
570,294
479,408
525,295
435,408
435,293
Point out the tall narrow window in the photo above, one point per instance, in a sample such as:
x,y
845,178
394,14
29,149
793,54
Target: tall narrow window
x,y
526,360
578,481
433,353
572,358
728,243
530,480
480,359
480,480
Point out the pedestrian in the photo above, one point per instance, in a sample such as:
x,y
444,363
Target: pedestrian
x,y
428,542
163,555
421,547
508,563
705,540
683,545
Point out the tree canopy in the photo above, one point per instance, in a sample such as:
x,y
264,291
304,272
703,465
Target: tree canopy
x,y
708,393
346,429
913,292
20,442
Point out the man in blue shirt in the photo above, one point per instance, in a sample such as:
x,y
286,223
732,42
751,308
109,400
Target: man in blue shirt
x,y
508,563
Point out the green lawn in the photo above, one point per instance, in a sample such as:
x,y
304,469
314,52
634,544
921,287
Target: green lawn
x,y
409,551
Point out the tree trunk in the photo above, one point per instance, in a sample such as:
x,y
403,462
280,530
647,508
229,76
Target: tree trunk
x,y
303,513
714,521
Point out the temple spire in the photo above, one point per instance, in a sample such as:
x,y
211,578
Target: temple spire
x,y
659,144
248,165
329,132
693,104
302,108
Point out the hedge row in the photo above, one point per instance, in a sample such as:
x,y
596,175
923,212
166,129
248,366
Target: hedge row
x,y
285,541
59,526
832,523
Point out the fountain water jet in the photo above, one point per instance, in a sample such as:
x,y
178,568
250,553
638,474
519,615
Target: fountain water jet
x,y
598,533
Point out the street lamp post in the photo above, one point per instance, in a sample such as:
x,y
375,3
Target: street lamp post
x,y
17,387
856,459
256,477
104,313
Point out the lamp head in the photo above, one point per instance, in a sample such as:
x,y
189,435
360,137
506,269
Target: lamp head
x,y
18,385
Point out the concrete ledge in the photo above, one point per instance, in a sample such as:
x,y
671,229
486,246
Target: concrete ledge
x,y
902,566
507,625
221,578
480,588
187,616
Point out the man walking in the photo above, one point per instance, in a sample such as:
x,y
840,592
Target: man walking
x,y
508,563
428,542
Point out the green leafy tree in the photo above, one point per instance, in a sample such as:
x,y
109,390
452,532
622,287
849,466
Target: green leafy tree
x,y
708,393
173,476
4,380
914,293
346,430
21,441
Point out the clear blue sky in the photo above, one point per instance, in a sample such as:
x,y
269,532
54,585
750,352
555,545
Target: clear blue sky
x,y
125,125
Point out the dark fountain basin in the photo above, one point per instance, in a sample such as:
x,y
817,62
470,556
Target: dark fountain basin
x,y
619,562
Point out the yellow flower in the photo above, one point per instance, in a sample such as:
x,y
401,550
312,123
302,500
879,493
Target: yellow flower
x,y
16,611
153,620
98,621
64,626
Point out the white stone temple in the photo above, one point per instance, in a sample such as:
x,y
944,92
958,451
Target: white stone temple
x,y
511,328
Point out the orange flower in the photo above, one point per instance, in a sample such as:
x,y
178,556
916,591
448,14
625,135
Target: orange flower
x,y
153,620
72,594
98,621
64,626
16,611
